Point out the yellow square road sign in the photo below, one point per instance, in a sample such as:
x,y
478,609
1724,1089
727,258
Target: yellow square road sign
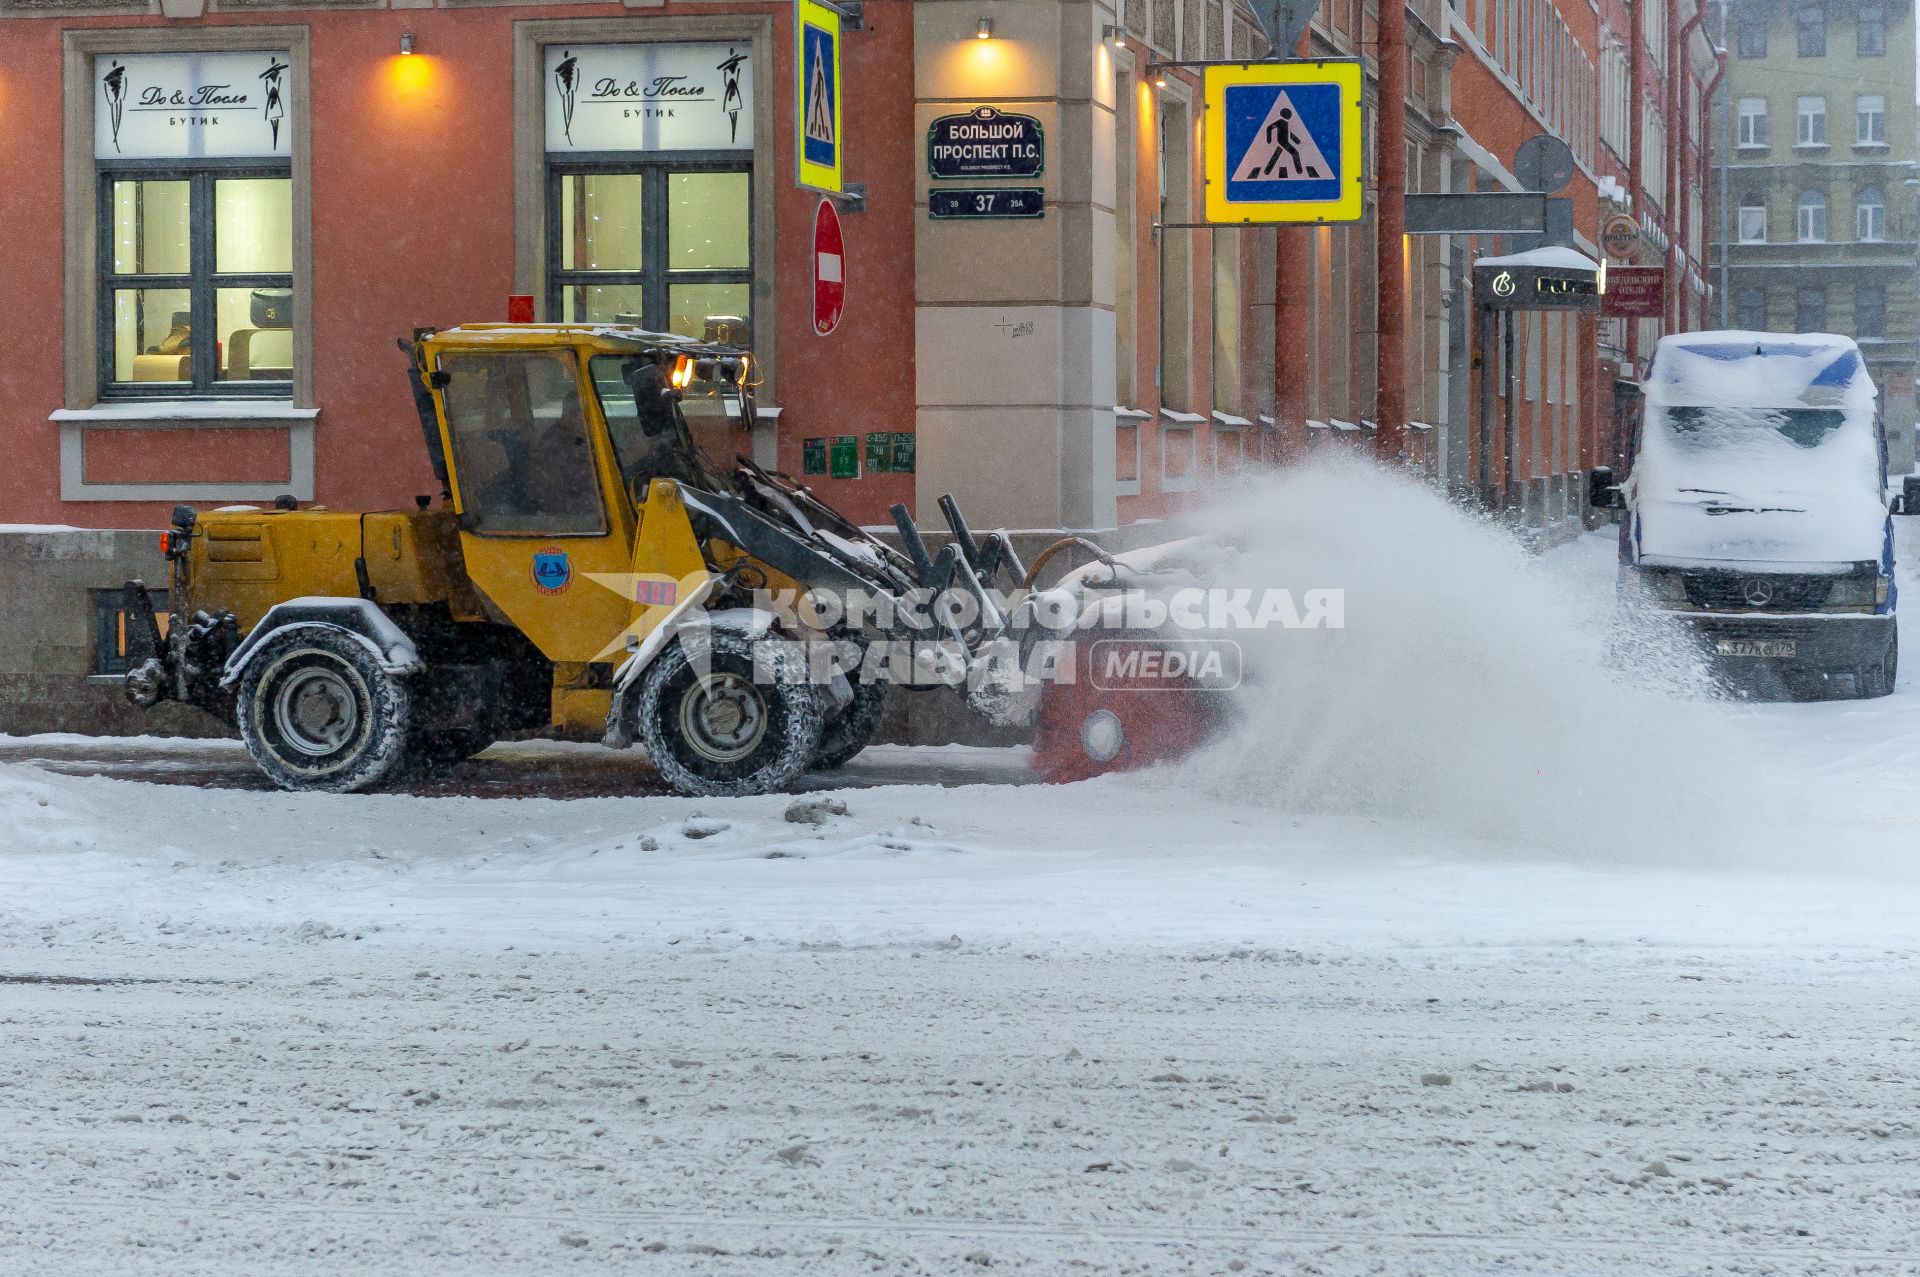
x,y
822,151
1283,142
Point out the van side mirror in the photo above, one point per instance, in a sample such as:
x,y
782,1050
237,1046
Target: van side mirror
x,y
1908,502
1602,493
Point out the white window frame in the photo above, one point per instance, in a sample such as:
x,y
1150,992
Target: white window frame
x,y
1803,216
1744,223
1752,133
1865,216
1809,119
1870,117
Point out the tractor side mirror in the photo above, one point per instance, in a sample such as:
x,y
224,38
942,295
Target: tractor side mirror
x,y
1602,492
653,397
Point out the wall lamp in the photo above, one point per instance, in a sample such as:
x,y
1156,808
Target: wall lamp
x,y
985,30
1116,36
406,44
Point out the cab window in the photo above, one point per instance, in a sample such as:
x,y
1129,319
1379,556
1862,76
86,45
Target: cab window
x,y
523,460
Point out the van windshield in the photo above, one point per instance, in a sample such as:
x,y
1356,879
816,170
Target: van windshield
x,y
1715,427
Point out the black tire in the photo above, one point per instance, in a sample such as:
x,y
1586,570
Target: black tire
x,y
714,726
318,713
1878,680
848,732
433,750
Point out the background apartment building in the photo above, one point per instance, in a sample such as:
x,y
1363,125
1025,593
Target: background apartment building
x,y
1817,219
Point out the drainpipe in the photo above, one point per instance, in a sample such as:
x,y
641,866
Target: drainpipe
x,y
1679,71
1707,187
1636,124
1727,187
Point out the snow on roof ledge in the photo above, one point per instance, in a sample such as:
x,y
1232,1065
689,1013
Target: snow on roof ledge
x,y
1553,258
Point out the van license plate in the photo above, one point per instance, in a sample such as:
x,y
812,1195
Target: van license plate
x,y
1754,647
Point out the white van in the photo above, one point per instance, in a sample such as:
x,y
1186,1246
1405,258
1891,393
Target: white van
x,y
1757,511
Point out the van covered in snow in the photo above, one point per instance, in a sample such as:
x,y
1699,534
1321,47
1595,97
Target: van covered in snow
x,y
1757,511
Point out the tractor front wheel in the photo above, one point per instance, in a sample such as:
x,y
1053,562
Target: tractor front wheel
x,y
318,712
724,715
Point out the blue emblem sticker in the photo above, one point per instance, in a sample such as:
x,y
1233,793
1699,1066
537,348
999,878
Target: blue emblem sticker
x,y
552,570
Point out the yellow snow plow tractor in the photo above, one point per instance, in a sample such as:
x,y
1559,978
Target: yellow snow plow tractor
x,y
588,571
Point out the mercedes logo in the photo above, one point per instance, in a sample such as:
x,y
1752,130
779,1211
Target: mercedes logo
x,y
1757,592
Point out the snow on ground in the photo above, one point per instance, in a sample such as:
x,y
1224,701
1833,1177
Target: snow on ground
x,y
1642,1006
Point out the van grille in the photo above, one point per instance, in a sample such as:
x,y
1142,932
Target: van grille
x,y
1733,591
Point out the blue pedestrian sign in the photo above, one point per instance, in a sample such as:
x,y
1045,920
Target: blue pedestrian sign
x,y
1283,142
822,160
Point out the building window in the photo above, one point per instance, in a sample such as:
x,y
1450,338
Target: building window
x,y
195,212
1753,121
1753,219
1811,113
1810,21
1812,219
1753,35
1751,303
1869,310
1870,120
197,250
1870,215
112,650
651,222
1870,30
1226,319
1176,261
1810,310
668,244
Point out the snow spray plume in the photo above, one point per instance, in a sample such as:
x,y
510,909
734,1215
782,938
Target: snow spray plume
x,y
1470,690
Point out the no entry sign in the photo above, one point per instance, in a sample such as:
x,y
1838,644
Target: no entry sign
x,y
829,269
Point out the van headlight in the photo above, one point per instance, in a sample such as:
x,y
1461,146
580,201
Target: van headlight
x,y
1653,589
1858,591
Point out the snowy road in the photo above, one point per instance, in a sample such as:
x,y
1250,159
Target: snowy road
x,y
1584,985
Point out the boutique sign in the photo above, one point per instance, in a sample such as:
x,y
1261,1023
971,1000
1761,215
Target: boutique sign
x,y
649,97
169,106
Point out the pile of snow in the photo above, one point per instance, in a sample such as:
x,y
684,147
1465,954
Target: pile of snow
x,y
39,812
1470,690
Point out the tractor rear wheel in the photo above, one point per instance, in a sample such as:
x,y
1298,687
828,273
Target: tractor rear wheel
x,y
717,721
318,712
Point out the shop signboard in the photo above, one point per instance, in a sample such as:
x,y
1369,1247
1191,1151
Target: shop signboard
x,y
879,451
649,97
813,456
177,106
1519,287
1635,292
822,160
904,448
985,142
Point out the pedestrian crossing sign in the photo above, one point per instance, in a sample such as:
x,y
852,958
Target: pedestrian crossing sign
x,y
817,65
1283,142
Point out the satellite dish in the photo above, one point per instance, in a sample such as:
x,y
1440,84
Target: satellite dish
x,y
1544,164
